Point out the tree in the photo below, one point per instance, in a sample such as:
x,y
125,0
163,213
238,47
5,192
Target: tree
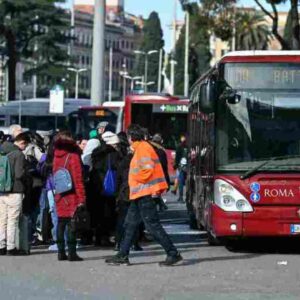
x,y
33,30
288,31
293,41
152,40
252,33
199,52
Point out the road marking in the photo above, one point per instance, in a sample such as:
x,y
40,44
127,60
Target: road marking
x,y
184,229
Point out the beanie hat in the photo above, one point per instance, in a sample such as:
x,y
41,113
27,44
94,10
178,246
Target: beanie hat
x,y
102,124
93,134
157,138
110,138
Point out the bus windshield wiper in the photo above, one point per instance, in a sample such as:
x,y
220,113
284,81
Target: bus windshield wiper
x,y
254,170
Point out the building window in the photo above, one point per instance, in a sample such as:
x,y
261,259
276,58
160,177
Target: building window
x,y
127,44
123,44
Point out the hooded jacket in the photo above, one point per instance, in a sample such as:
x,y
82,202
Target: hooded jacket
x,y
18,166
66,204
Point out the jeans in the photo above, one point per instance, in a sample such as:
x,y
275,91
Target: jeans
x,y
123,207
63,224
10,211
144,208
54,218
181,183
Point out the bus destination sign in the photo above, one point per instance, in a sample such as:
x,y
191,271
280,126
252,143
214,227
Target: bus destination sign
x,y
170,108
263,76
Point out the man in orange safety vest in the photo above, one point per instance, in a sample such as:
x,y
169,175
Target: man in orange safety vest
x,y
146,182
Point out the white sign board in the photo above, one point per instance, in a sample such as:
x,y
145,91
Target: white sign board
x,y
56,103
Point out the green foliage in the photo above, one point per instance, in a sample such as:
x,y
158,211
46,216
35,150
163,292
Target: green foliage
x,y
252,33
199,54
152,40
34,31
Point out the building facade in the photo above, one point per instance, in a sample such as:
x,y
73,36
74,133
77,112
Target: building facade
x,y
123,34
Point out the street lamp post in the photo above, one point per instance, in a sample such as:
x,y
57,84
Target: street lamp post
x,y
20,101
173,64
77,71
146,54
145,84
133,79
124,74
3,83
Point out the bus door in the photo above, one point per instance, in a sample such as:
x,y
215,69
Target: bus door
x,y
170,120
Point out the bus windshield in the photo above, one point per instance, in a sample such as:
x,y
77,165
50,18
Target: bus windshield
x,y
263,121
168,120
89,119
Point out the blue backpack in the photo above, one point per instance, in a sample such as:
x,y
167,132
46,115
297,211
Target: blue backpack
x,y
109,182
62,180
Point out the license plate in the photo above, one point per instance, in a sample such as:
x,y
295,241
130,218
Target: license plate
x,y
295,228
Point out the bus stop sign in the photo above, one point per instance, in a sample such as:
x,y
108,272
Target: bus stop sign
x,y
170,108
56,103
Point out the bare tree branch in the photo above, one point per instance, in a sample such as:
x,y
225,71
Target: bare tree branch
x,y
274,17
284,44
264,9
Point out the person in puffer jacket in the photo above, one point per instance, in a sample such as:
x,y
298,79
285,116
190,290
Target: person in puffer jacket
x,y
67,155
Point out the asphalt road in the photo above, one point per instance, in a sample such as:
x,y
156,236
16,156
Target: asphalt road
x,y
260,270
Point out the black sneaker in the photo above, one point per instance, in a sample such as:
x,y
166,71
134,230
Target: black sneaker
x,y
74,257
137,247
16,252
3,251
118,260
171,260
62,256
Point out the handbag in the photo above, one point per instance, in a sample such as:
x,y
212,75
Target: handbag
x,y
81,220
110,181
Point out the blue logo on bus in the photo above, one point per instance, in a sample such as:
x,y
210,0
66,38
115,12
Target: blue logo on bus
x,y
255,197
255,187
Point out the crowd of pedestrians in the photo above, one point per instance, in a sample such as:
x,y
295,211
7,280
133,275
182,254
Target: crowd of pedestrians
x,y
117,179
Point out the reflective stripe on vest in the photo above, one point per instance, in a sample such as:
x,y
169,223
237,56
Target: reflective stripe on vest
x,y
147,159
148,185
144,167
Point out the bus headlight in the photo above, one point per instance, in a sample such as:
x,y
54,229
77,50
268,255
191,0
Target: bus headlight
x,y
230,199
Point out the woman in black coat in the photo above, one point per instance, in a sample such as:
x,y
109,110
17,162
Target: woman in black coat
x,y
103,213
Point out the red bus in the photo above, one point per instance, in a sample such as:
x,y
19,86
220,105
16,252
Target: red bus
x,y
244,135
159,113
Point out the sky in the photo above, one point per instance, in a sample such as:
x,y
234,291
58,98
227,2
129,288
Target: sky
x,y
165,9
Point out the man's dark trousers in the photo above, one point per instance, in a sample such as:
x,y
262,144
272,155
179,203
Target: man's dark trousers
x,y
144,208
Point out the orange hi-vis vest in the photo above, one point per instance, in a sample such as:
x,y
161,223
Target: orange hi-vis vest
x,y
146,175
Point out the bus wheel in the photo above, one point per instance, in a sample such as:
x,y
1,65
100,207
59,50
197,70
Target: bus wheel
x,y
232,245
212,241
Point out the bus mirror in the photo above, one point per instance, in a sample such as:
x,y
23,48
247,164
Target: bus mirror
x,y
230,96
207,97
